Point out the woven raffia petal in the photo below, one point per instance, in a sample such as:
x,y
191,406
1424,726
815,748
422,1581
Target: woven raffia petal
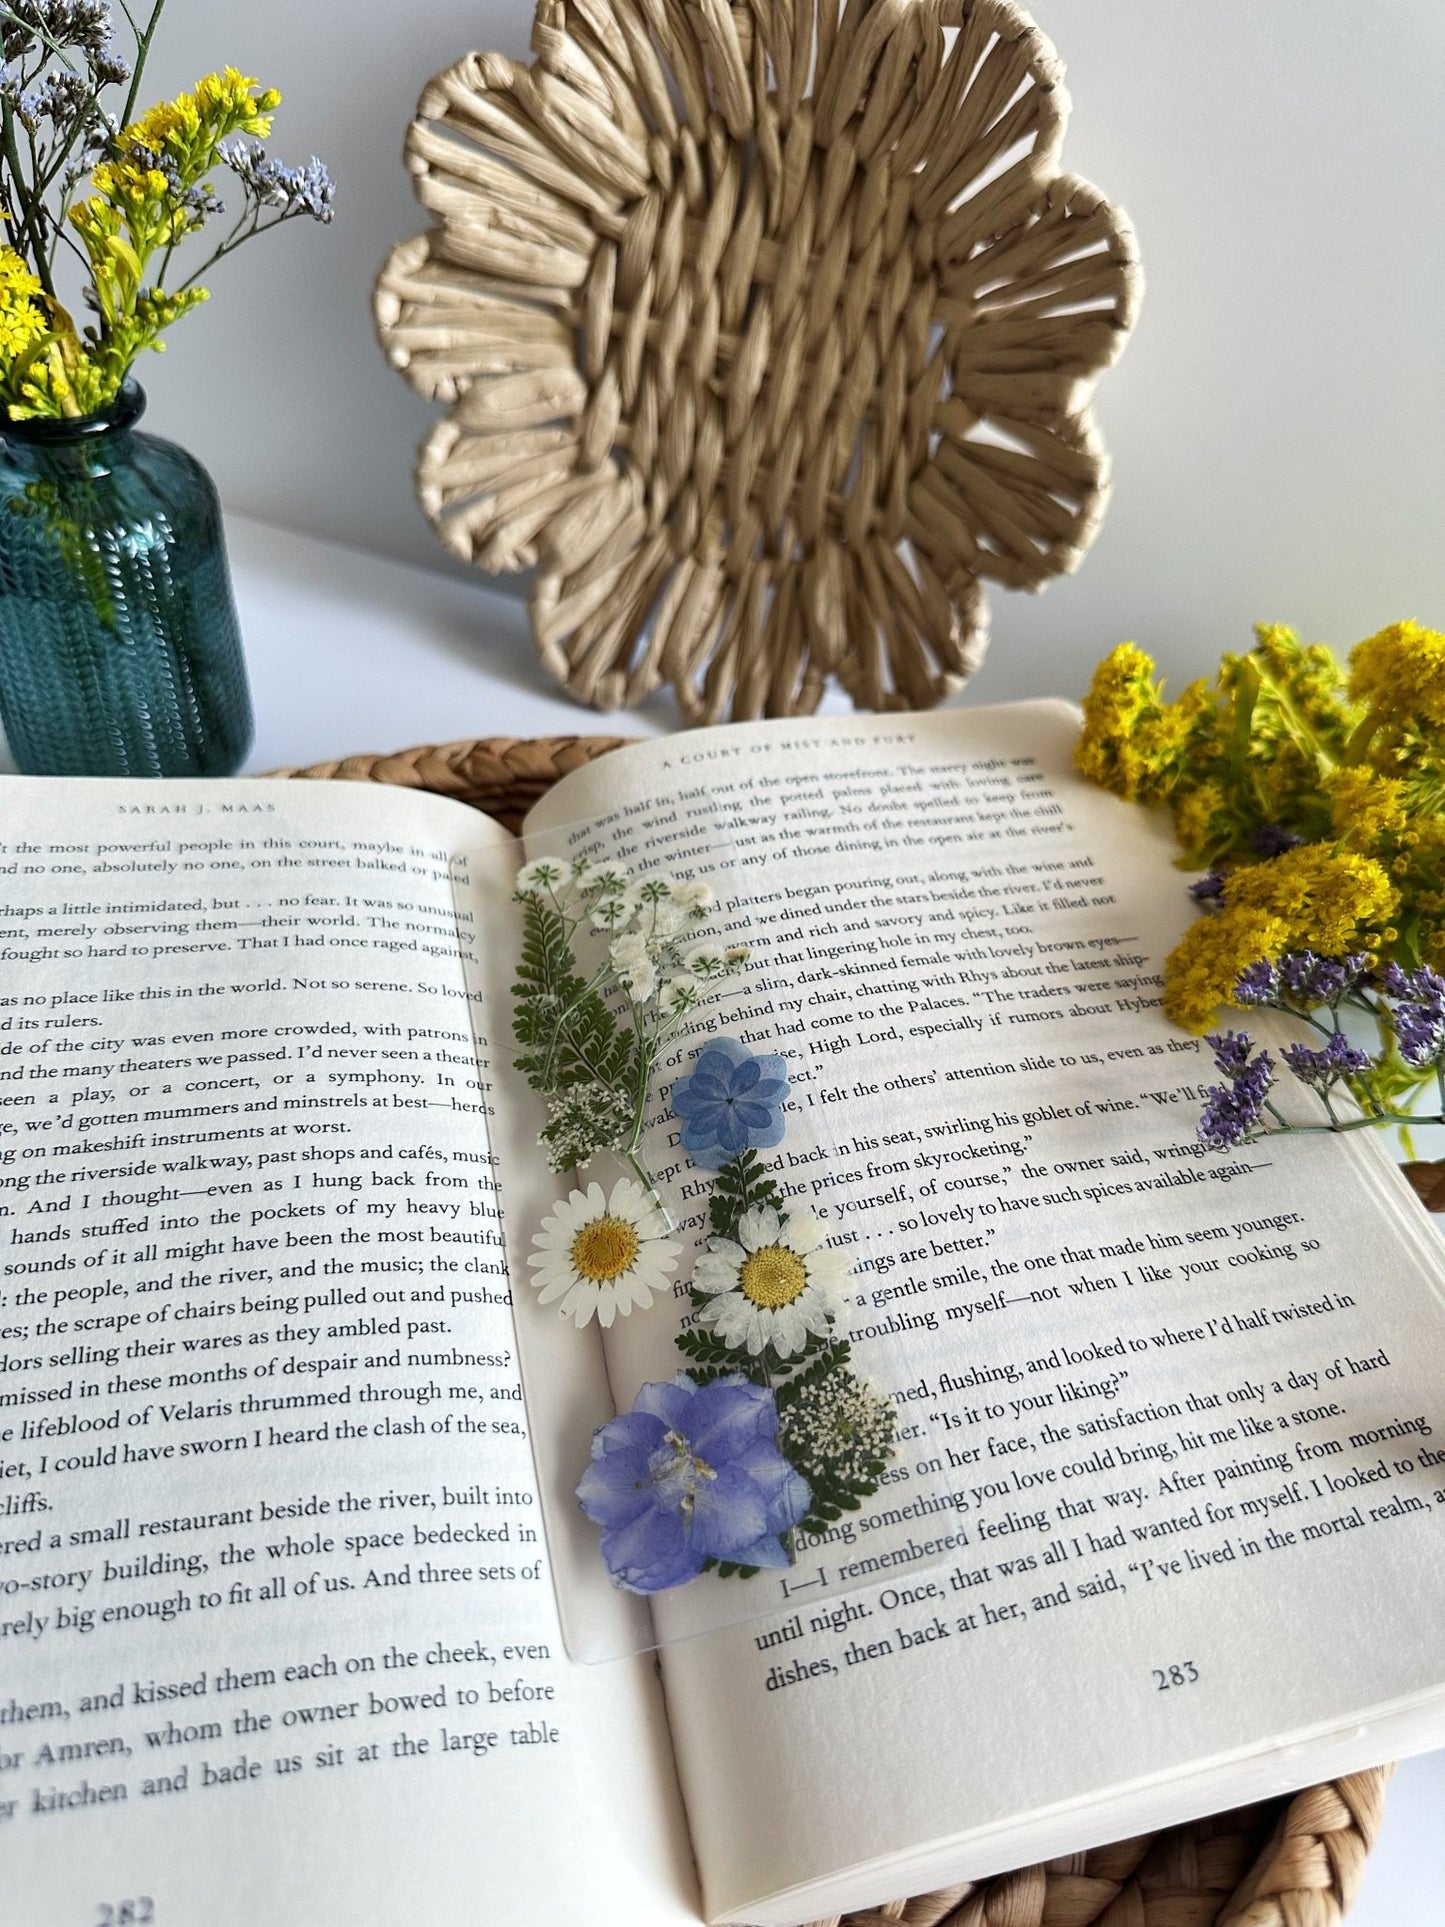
x,y
1287,1863
767,336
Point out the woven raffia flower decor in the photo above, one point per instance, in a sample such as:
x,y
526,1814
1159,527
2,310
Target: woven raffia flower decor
x,y
766,333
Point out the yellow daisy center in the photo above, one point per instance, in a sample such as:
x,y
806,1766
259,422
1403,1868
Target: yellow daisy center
x,y
773,1276
604,1249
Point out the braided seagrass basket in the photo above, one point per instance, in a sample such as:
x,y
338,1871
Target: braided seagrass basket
x,y
766,333
1292,1862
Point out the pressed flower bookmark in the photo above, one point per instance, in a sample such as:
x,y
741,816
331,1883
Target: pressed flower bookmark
x,y
768,1432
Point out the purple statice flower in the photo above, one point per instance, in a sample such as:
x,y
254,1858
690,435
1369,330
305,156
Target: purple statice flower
x,y
731,1101
60,23
295,190
691,1473
1309,980
1270,840
1231,1050
110,66
27,103
65,95
1418,1014
1259,984
1323,1068
1209,889
1232,1110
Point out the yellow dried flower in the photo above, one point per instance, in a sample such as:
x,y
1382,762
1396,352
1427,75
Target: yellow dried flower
x,y
1203,969
1195,811
1109,751
1400,673
1365,807
23,320
1311,898
1327,897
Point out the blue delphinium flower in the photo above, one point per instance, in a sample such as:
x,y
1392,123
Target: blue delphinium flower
x,y
1324,1068
1232,1110
691,1473
1418,1015
731,1101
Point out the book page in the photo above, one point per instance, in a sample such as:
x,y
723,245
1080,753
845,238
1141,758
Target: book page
x,y
1178,1412
276,1626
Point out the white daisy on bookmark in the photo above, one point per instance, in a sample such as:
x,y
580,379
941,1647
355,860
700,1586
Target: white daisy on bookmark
x,y
774,1285
602,1255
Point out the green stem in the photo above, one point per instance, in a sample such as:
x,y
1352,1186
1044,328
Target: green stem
x,y
59,156
1360,736
11,154
562,1016
1314,1024
142,51
1358,1123
644,1178
1300,730
229,246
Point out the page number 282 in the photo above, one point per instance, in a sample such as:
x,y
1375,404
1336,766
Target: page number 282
x,y
139,1912
1183,1673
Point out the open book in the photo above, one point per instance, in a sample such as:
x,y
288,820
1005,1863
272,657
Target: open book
x,y
278,1631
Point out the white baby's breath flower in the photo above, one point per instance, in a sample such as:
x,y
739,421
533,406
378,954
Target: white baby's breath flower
x,y
705,961
608,878
661,918
628,951
543,874
774,1284
693,897
602,1255
639,980
614,910
679,996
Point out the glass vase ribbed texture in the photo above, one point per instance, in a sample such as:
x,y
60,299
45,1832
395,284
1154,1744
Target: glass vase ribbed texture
x,y
120,653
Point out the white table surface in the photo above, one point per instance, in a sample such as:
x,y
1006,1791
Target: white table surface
x,y
349,654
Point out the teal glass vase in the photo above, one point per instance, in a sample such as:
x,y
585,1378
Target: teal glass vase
x,y
120,653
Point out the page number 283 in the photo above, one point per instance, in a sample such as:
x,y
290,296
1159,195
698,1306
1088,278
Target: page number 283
x,y
1182,1673
139,1912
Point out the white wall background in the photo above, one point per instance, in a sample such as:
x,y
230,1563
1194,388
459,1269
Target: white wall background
x,y
1276,424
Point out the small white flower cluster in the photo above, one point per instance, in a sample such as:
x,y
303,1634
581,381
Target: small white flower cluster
x,y
580,1121
838,1427
647,919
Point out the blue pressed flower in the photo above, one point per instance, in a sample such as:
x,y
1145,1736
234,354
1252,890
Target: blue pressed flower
x,y
1322,1068
1258,984
731,1101
1232,1110
691,1473
1418,1014
1209,889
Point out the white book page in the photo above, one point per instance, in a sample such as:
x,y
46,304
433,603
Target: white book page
x,y
276,1629
1179,1412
